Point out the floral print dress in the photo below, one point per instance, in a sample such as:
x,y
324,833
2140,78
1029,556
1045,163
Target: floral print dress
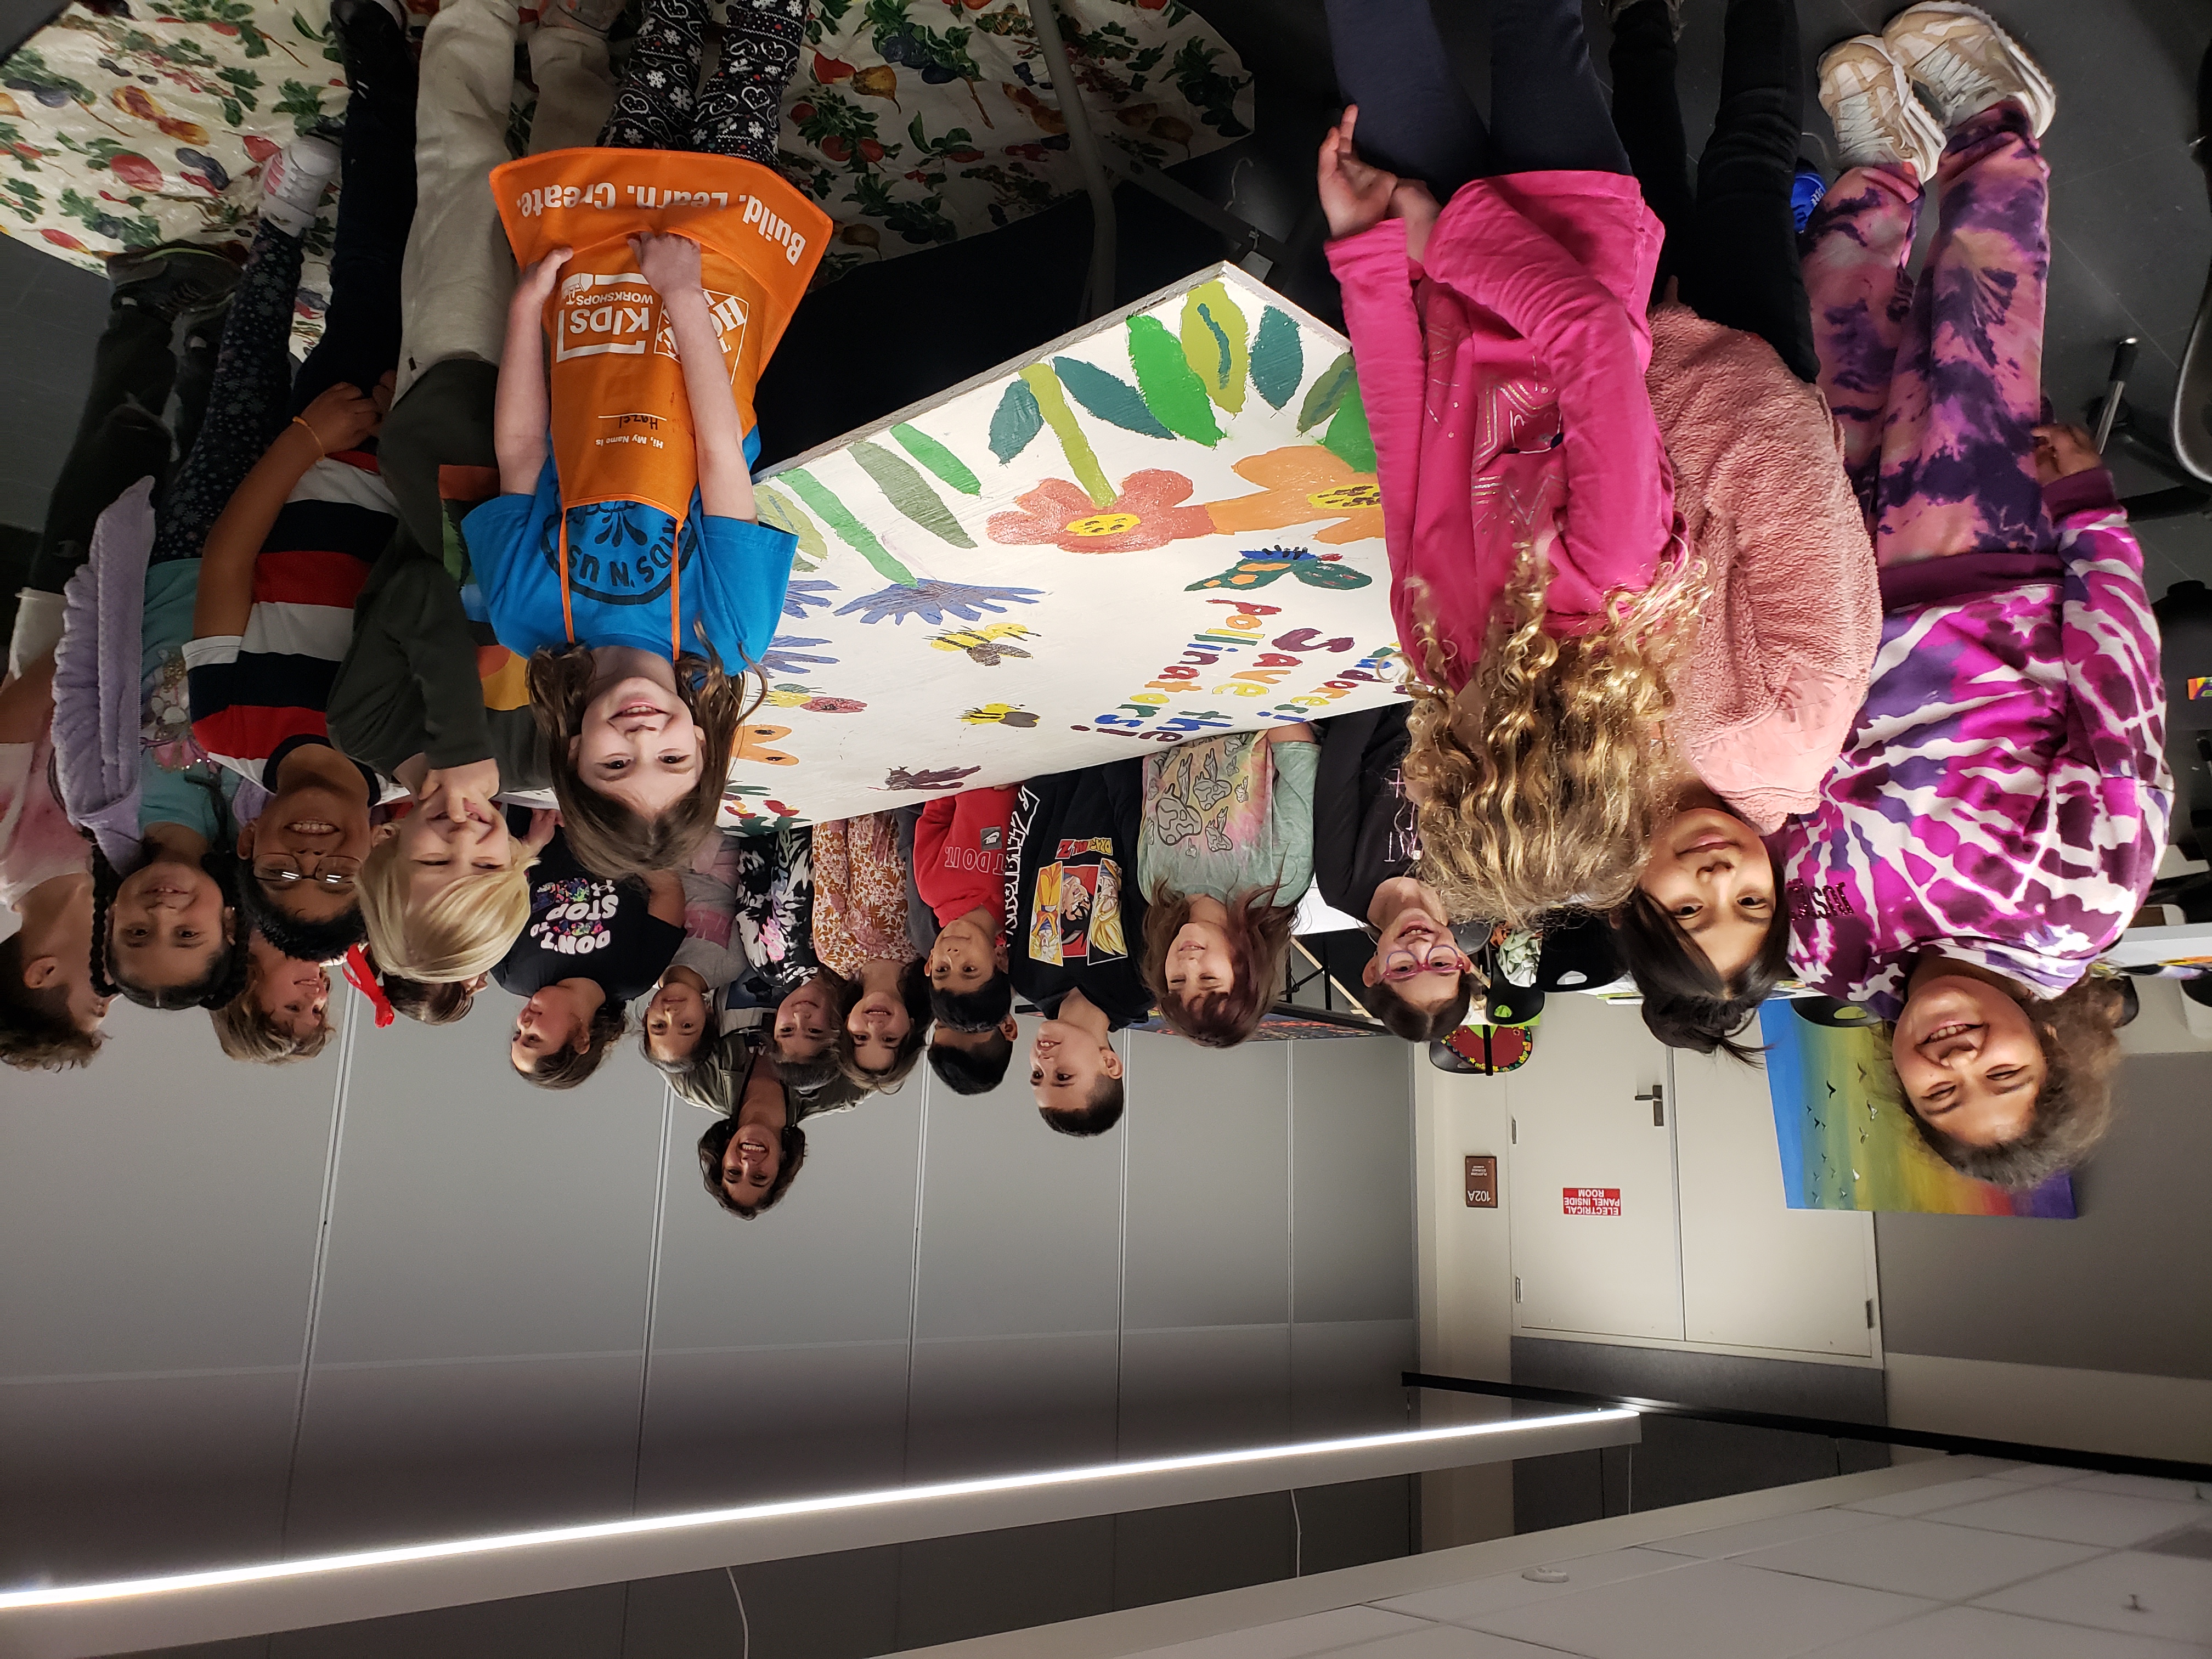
x,y
859,894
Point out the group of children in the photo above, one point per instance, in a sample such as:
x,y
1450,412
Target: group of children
x,y
1755,600
1753,605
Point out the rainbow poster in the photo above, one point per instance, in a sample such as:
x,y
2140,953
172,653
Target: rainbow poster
x,y
1847,1141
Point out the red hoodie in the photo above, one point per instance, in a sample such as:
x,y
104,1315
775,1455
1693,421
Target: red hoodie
x,y
960,853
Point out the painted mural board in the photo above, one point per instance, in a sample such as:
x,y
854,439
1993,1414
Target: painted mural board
x,y
1162,525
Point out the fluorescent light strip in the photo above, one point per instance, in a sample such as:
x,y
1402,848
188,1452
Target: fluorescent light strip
x,y
122,1588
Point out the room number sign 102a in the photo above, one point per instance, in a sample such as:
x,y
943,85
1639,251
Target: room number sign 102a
x,y
1590,1201
1482,1181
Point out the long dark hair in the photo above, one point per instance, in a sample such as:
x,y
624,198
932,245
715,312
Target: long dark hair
x,y
1259,931
608,838
716,1141
1686,1004
914,993
227,969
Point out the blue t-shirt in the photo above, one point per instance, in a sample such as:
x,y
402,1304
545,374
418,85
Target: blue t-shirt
x,y
619,554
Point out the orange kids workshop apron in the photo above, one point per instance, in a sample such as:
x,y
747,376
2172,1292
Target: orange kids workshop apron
x,y
622,422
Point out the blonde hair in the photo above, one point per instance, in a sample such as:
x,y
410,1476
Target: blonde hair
x,y
244,1032
465,929
1545,776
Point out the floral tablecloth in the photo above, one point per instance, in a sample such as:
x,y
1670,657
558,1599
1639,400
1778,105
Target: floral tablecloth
x,y
913,122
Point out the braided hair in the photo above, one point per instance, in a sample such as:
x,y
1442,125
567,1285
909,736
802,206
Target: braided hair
x,y
226,974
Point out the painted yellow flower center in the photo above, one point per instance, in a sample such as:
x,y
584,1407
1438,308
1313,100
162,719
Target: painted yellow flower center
x,y
1350,498
1101,524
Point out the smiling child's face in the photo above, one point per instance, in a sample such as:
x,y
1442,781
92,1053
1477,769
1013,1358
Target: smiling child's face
x,y
291,995
1710,871
879,1022
806,1021
1969,1060
638,744
166,924
1066,1062
965,957
675,1020
440,850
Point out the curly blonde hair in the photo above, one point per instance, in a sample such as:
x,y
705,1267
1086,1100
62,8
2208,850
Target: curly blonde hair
x,y
1545,776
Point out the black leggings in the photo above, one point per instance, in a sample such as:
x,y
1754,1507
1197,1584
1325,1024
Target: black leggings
x,y
742,105
1732,240
1547,111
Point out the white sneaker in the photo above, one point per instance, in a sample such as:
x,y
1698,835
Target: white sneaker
x,y
1966,63
294,182
1877,119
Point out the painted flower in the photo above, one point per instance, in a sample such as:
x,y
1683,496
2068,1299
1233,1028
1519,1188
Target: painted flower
x,y
1147,513
1302,484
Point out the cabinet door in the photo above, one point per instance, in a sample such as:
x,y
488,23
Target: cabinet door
x,y
1755,1273
1595,1242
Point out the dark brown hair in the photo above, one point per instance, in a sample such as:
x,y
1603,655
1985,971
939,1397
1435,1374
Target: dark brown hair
x,y
914,993
974,1071
1686,1004
716,1141
568,1066
36,1032
608,838
1096,1115
2079,1032
1259,932
1402,1020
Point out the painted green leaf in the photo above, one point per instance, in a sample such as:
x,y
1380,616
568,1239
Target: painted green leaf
x,y
1016,421
850,531
1314,573
1348,437
909,492
778,509
1082,459
1326,393
1213,344
937,459
1171,387
1108,397
1279,358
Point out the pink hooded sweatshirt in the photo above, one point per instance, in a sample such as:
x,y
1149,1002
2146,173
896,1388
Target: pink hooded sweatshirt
x,y
1787,639
1503,382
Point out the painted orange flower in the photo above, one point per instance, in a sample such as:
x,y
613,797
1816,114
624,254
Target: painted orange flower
x,y
1148,512
1302,484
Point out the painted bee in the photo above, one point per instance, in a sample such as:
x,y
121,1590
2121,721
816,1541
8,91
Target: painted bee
x,y
988,644
999,713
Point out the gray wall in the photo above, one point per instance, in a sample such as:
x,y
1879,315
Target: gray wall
x,y
2124,1287
394,1293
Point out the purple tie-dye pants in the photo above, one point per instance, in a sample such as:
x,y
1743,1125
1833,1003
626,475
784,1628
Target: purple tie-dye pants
x,y
1938,383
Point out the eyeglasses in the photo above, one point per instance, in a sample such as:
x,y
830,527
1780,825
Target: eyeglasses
x,y
334,873
1441,957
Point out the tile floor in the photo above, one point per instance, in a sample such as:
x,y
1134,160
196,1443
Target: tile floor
x,y
2021,1563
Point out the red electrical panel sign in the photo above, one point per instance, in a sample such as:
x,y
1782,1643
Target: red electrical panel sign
x,y
1590,1201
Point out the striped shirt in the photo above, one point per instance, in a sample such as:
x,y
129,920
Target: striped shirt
x,y
251,691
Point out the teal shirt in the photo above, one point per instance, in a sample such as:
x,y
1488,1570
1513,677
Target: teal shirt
x,y
173,787
1228,815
